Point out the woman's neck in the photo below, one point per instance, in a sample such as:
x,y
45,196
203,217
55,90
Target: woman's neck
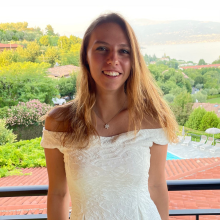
x,y
109,104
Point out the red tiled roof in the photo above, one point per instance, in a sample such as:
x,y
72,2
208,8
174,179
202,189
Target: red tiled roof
x,y
9,45
60,71
200,66
202,168
208,107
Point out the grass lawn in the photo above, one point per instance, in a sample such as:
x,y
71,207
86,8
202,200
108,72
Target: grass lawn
x,y
215,100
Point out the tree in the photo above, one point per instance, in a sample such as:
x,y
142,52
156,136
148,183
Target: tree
x,y
199,80
188,86
195,118
216,62
64,43
67,86
49,30
52,55
209,120
201,62
199,97
75,40
182,107
169,98
25,81
32,51
44,40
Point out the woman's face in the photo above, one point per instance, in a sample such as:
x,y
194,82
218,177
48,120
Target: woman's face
x,y
108,56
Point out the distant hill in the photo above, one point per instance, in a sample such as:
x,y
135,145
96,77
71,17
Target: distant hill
x,y
175,32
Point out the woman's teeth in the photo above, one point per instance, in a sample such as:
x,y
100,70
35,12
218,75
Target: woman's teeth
x,y
110,73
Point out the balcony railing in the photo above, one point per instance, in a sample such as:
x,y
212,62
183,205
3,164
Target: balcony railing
x,y
173,185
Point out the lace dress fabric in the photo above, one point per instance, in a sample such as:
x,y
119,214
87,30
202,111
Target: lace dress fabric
x,y
109,180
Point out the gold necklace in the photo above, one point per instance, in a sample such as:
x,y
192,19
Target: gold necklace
x,y
106,126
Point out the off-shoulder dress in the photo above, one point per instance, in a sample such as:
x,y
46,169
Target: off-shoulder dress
x,y
109,180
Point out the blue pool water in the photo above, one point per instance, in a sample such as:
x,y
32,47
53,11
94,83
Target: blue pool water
x,y
172,157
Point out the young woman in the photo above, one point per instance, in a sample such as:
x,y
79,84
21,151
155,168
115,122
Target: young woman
x,y
107,148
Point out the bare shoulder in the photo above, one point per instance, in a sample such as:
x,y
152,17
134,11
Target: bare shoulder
x,y
150,123
57,120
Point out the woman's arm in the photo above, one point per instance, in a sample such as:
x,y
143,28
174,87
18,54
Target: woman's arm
x,y
157,180
58,194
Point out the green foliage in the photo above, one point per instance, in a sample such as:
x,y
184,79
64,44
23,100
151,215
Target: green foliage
x,y
69,58
212,79
32,51
201,62
216,62
25,81
64,43
182,107
195,118
22,154
6,135
44,40
52,55
4,112
188,86
157,70
213,96
67,86
169,98
209,120
49,30
18,31
199,80
199,86
75,40
200,97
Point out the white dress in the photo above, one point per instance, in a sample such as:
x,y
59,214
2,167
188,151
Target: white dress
x,y
109,181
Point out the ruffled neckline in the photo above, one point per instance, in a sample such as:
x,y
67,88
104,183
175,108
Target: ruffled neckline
x,y
126,137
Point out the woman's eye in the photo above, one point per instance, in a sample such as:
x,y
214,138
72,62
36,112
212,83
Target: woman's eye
x,y
101,48
125,51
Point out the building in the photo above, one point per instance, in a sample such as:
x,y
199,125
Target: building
x,y
208,107
62,71
201,66
9,46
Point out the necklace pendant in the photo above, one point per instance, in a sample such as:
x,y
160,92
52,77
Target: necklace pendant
x,y
107,126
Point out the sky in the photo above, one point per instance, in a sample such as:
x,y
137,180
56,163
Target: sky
x,y
74,16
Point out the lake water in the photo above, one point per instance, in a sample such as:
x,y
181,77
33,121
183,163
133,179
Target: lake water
x,y
188,52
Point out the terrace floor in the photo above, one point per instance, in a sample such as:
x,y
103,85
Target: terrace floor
x,y
189,152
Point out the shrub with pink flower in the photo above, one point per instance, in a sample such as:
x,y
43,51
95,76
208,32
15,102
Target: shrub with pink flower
x,y
27,113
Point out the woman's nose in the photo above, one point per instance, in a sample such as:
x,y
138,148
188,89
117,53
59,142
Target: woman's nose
x,y
113,58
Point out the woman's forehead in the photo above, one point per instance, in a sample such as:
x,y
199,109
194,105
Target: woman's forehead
x,y
109,33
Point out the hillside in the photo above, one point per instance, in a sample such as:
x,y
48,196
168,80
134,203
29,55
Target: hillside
x,y
175,32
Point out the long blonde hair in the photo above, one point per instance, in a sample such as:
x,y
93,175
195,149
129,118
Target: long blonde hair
x,y
144,97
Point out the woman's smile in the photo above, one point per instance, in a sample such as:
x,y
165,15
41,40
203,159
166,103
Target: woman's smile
x,y
108,56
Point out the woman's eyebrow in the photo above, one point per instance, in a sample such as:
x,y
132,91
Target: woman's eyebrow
x,y
103,42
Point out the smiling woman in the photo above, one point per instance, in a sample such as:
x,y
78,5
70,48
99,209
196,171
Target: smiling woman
x,y
109,145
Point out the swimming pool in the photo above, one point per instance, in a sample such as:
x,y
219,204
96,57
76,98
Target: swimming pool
x,y
172,156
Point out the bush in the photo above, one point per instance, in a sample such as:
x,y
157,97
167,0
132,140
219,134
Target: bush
x,y
4,112
26,81
27,113
213,96
6,135
200,97
169,97
22,154
195,118
67,86
209,120
27,132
